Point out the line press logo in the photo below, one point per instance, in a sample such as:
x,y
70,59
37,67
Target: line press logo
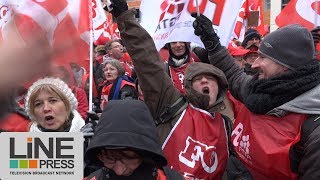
x,y
39,155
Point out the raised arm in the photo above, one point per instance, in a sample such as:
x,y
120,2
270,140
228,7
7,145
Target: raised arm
x,y
157,88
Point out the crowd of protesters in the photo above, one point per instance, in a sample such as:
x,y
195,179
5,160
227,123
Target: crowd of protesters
x,y
196,113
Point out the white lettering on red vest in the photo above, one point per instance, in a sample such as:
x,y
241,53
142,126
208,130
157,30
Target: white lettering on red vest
x,y
242,140
197,145
237,131
262,140
189,157
177,74
181,78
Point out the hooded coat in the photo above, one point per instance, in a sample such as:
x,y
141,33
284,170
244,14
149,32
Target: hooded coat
x,y
133,129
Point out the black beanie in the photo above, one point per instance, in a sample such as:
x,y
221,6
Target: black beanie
x,y
291,46
250,33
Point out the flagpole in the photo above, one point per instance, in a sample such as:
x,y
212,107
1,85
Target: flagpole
x,y
198,11
316,14
91,55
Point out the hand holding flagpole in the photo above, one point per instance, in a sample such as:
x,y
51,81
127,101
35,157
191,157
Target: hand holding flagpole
x,y
316,14
197,5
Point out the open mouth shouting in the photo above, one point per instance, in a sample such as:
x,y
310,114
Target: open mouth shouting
x,y
205,90
49,120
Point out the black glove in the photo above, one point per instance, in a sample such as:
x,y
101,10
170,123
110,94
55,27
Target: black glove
x,y
202,54
315,34
118,7
203,28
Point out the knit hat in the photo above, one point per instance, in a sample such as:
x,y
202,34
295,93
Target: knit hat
x,y
291,46
62,86
250,33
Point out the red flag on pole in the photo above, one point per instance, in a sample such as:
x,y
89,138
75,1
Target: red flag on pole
x,y
299,12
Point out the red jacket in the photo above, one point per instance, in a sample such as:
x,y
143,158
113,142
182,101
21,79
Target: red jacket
x,y
83,105
14,122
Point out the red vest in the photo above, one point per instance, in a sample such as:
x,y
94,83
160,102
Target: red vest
x,y
263,142
177,74
197,145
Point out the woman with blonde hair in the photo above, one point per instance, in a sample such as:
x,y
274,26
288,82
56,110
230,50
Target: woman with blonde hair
x,y
51,105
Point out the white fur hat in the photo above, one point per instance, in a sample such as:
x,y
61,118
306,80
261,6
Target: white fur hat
x,y
62,86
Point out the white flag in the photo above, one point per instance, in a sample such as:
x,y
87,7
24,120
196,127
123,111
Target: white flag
x,y
170,20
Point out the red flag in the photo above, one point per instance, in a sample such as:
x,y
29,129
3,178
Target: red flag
x,y
109,31
247,6
62,21
299,12
255,5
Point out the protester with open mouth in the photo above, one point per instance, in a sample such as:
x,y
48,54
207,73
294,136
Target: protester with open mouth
x,y
184,122
117,85
52,106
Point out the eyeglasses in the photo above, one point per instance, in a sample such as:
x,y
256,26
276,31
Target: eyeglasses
x,y
110,157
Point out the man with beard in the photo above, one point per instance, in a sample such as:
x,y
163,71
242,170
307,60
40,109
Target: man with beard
x,y
278,119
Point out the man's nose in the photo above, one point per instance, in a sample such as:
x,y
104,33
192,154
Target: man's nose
x,y
179,43
203,79
256,63
119,168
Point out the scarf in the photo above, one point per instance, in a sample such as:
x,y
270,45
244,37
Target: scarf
x,y
266,94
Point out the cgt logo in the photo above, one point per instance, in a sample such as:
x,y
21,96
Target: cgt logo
x,y
170,7
50,153
195,152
